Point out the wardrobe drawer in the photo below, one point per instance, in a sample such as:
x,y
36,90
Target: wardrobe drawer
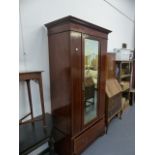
x,y
82,141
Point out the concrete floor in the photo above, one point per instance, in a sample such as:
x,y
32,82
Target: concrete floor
x,y
120,139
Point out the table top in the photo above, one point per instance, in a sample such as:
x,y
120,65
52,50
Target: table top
x,y
32,136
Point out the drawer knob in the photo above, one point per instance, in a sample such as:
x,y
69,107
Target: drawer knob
x,y
76,49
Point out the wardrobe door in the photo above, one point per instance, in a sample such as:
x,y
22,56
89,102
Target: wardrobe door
x,y
90,80
76,83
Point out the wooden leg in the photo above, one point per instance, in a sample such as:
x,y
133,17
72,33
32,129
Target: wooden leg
x,y
120,115
30,99
42,100
106,129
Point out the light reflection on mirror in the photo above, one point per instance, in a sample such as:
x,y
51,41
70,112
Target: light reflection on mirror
x,y
91,50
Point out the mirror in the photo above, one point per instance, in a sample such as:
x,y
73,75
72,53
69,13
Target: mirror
x,y
90,84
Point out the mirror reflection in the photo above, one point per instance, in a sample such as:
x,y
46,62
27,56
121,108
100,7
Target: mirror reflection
x,y
91,48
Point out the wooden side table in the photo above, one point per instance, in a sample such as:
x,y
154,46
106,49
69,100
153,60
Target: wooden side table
x,y
28,76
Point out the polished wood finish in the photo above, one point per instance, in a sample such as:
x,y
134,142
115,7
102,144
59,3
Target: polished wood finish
x,y
76,85
86,138
60,84
66,56
80,24
60,72
76,28
28,76
32,136
102,80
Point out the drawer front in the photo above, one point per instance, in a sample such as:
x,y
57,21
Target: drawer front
x,y
81,142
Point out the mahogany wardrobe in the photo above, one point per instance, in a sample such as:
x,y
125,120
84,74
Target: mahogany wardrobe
x,y
77,80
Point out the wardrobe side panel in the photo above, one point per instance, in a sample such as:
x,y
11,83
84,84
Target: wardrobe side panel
x,y
60,77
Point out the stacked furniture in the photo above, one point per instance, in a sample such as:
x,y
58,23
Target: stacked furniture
x,y
113,91
123,74
77,74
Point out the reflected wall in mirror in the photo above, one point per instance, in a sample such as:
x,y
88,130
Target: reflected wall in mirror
x,y
91,50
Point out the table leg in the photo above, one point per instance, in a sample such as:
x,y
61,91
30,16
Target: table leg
x,y
42,100
30,99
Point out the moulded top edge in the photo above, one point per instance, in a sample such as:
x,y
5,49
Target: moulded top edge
x,y
78,21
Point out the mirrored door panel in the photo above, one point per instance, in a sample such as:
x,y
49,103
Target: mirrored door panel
x,y
90,83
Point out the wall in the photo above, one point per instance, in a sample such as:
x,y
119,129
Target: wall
x,y
33,50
